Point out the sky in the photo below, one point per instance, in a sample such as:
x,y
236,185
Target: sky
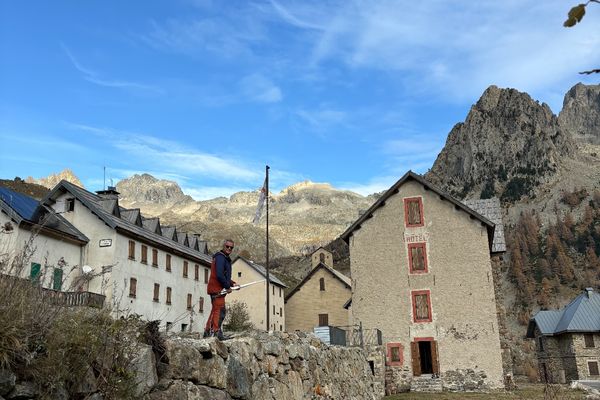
x,y
206,93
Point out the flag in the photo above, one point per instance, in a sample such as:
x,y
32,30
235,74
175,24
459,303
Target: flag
x,y
261,202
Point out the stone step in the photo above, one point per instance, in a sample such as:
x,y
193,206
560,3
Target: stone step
x,y
425,383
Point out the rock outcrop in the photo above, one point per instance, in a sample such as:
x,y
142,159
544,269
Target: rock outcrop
x,y
145,189
580,115
52,180
507,145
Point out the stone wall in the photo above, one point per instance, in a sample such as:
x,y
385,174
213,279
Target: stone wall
x,y
265,366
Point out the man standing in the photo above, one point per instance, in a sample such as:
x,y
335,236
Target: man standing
x,y
220,278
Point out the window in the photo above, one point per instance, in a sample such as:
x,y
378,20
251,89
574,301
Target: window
x,y
168,301
36,271
154,258
281,311
201,304
323,319
239,274
541,343
593,368
417,258
169,325
281,328
205,275
273,309
131,250
189,301
395,354
168,263
421,304
196,272
70,205
322,258
57,279
273,287
413,212
322,284
185,269
184,327
144,254
156,292
279,292
132,287
588,339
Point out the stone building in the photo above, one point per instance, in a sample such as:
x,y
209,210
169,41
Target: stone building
x,y
422,273
255,296
568,340
319,299
140,266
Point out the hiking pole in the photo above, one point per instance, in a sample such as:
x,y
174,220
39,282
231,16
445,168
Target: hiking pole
x,y
238,287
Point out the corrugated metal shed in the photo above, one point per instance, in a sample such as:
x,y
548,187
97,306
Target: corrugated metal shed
x,y
490,208
581,315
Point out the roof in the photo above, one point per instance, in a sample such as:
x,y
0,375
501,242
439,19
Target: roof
x,y
337,274
580,315
428,186
491,209
263,271
23,205
23,208
97,205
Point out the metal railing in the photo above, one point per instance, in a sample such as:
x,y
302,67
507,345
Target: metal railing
x,y
357,336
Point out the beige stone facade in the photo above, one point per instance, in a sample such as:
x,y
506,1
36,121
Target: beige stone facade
x,y
321,256
440,313
255,296
318,300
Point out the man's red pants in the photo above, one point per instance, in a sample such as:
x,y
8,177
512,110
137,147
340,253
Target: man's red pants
x,y
217,314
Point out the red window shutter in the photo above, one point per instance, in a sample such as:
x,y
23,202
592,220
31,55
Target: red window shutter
x,y
416,358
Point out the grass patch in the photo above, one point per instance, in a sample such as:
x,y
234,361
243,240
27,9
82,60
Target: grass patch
x,y
529,392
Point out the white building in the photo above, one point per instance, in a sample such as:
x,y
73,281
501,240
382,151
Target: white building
x,y
255,296
138,265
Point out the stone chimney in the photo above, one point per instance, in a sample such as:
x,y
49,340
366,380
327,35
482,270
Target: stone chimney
x,y
109,194
589,291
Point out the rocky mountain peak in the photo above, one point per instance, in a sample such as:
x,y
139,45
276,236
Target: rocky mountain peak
x,y
146,189
508,144
52,180
580,115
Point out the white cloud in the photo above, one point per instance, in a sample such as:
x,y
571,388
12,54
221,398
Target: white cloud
x,y
374,185
256,87
94,77
323,118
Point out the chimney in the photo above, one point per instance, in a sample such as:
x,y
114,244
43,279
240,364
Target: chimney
x,y
589,292
110,193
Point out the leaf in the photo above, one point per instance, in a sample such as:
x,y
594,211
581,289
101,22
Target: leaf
x,y
575,15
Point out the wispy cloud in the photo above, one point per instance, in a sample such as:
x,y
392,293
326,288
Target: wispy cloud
x,y
374,185
172,157
323,118
256,87
95,78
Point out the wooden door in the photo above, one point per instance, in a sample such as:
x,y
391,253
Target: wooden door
x,y
416,358
435,365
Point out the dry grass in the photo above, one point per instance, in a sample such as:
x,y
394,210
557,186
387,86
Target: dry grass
x,y
525,392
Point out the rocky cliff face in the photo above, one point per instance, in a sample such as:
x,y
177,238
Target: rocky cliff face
x,y
580,115
147,190
507,145
51,180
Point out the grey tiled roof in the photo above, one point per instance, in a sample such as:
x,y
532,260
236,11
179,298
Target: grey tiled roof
x,y
263,271
581,315
152,224
131,215
490,208
100,207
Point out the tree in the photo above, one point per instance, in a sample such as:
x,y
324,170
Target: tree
x,y
575,16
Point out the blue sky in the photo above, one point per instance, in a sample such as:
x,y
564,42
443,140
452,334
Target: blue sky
x,y
206,93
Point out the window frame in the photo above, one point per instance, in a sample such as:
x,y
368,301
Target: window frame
x,y
156,295
322,284
597,369
196,272
408,200
411,268
189,301
168,262
201,304
323,320
169,293
186,267
144,254
586,343
132,288
414,294
389,353
206,271
155,258
131,253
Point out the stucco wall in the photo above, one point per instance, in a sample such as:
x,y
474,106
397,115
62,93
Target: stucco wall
x,y
114,284
255,297
45,249
304,307
316,258
459,278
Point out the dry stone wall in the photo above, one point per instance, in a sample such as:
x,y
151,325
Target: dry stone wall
x,y
278,366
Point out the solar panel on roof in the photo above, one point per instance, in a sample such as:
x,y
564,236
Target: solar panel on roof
x,y
23,205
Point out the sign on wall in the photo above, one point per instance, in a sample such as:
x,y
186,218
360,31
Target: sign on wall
x,y
105,242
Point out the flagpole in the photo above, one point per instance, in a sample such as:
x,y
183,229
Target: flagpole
x,y
267,255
